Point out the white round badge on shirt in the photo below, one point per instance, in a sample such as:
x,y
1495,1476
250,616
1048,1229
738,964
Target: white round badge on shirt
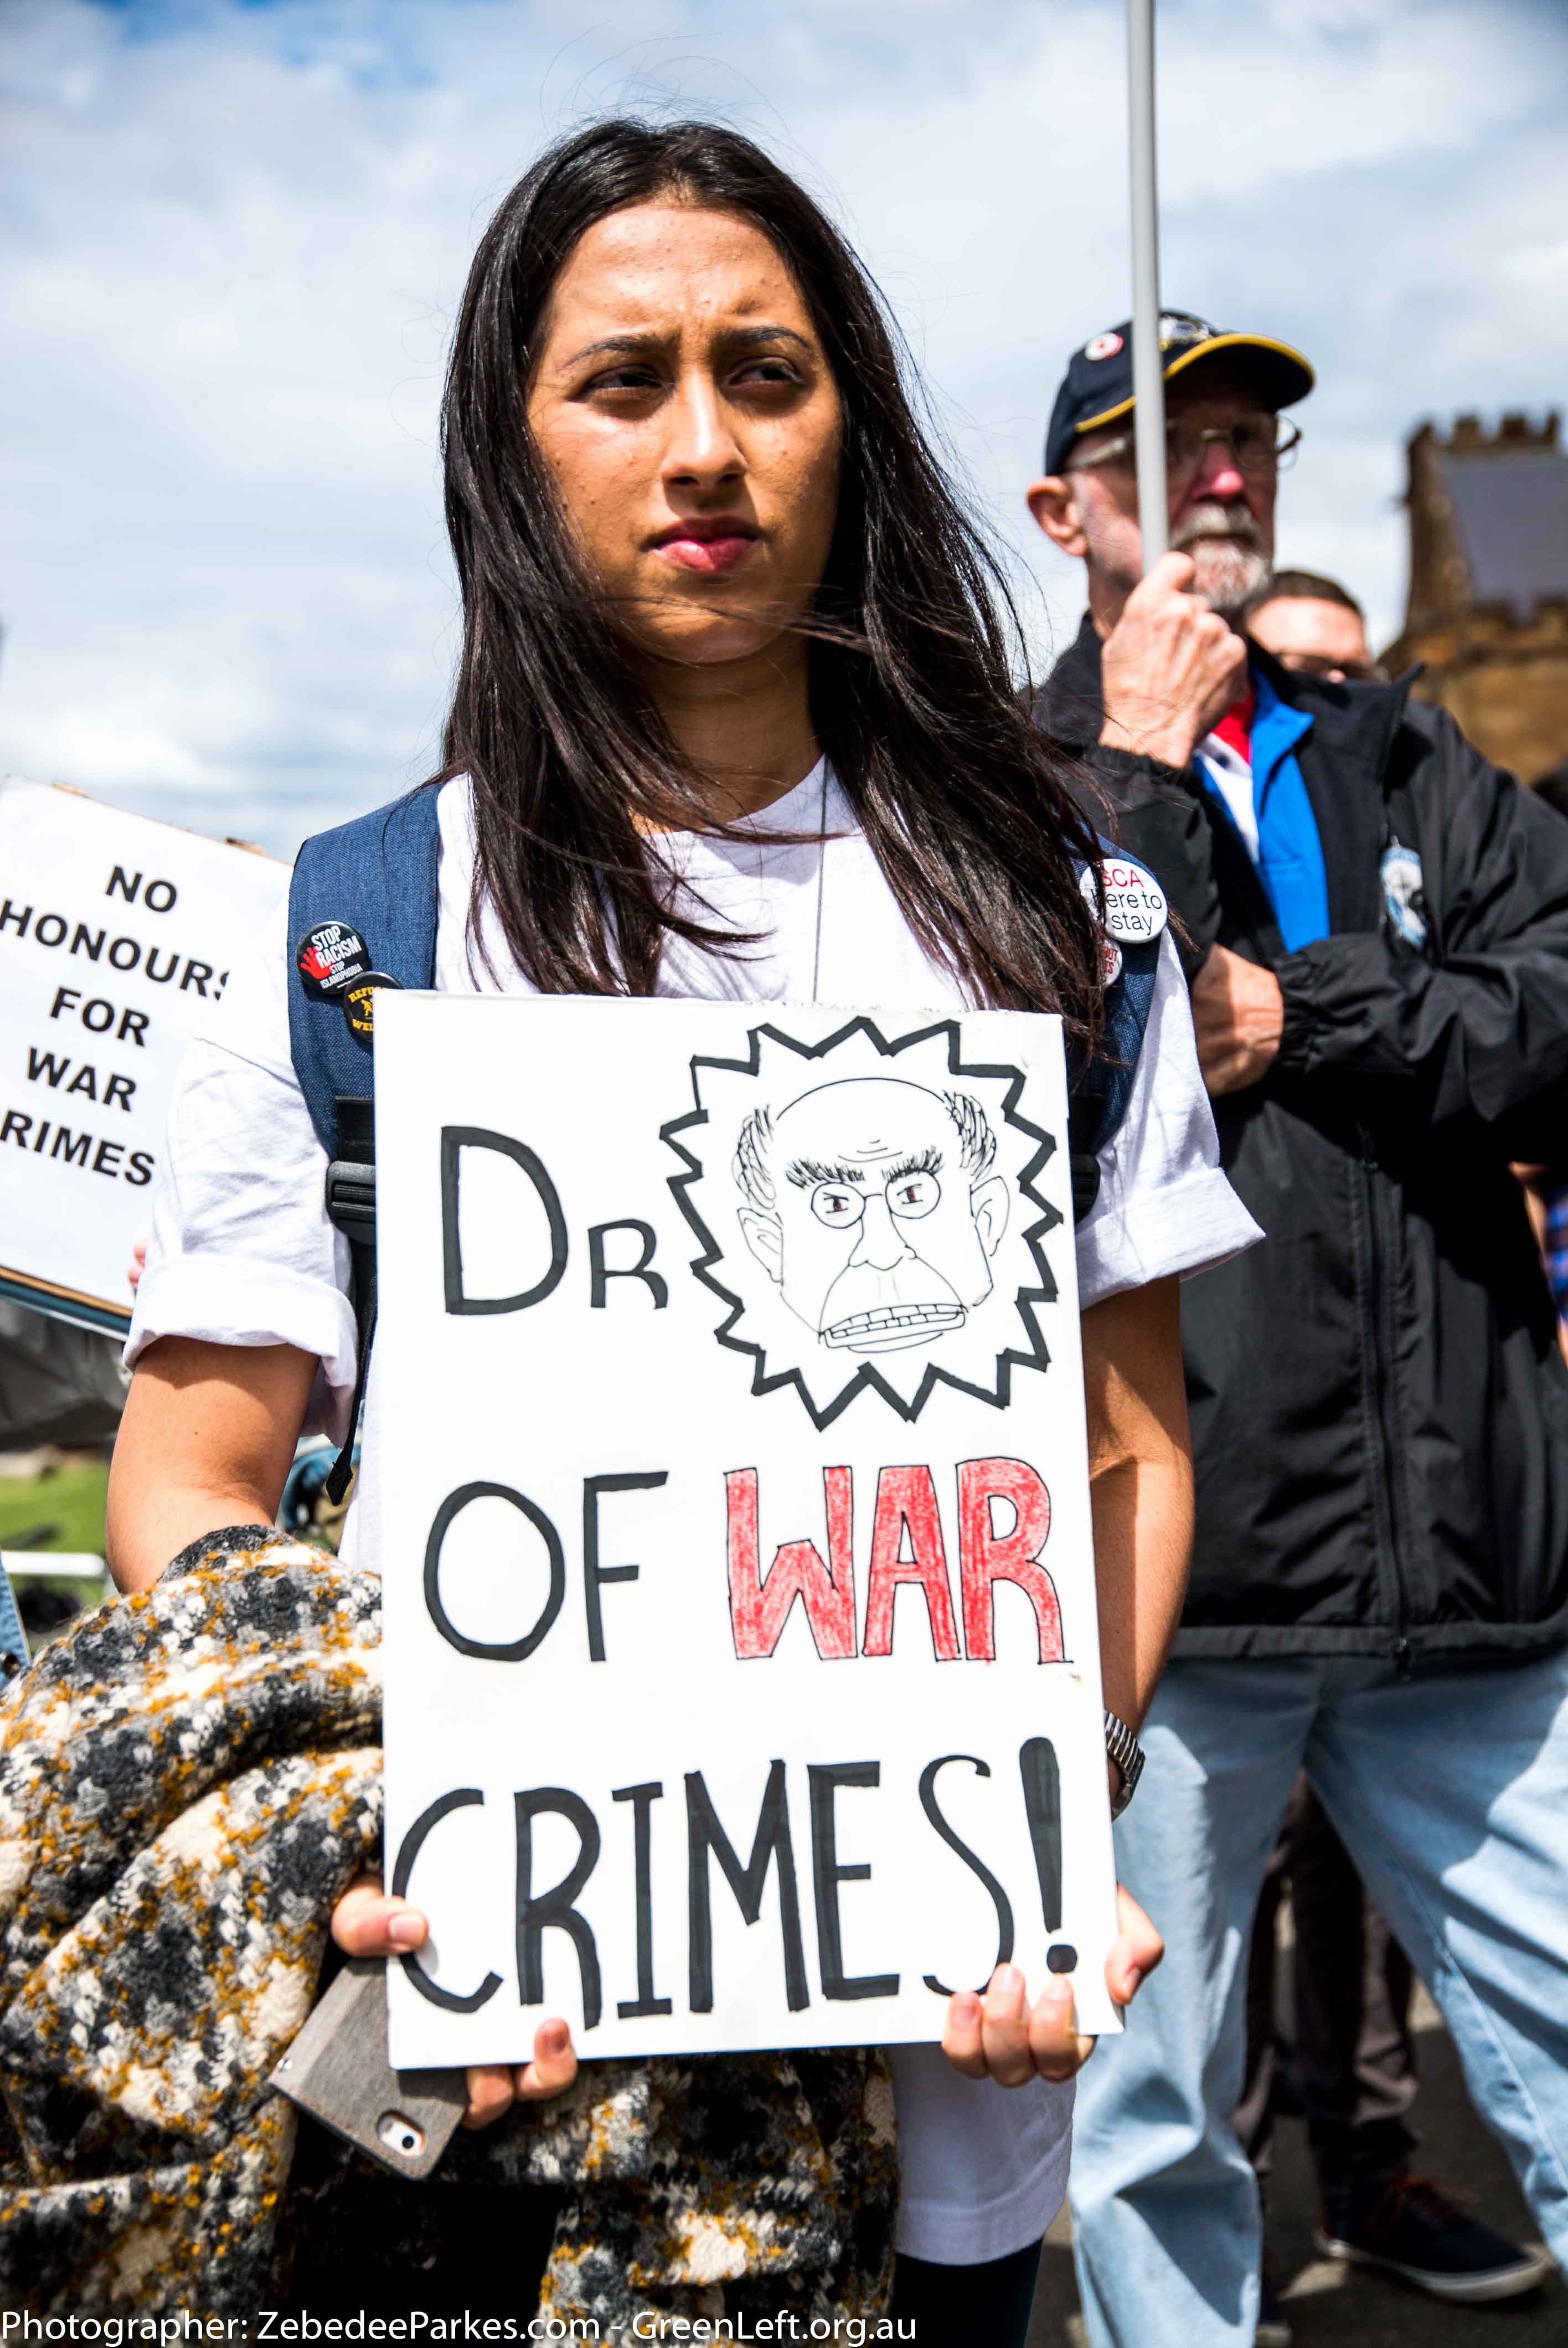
x,y
1135,911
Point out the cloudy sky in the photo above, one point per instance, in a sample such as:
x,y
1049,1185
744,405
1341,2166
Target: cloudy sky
x,y
235,232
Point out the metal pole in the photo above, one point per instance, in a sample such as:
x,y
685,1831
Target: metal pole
x,y
1148,383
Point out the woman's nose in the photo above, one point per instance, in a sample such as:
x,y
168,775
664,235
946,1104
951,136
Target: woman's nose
x,y
701,451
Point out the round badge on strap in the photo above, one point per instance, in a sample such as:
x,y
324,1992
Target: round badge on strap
x,y
1135,911
328,957
359,1006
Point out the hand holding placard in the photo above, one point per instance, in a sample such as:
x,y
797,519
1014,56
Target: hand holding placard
x,y
742,1682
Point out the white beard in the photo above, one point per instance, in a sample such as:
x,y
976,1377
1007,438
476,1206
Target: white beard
x,y
1229,558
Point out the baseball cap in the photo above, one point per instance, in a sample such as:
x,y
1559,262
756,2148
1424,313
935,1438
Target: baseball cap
x,y
1098,386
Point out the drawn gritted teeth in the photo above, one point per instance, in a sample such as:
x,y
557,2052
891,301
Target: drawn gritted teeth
x,y
893,1316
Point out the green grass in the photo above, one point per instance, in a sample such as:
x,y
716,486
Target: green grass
x,y
70,1500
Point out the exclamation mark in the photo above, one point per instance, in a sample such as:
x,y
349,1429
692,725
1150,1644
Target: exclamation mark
x,y
1042,1806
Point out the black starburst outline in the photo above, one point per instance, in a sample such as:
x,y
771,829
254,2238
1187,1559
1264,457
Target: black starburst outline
x,y
867,1376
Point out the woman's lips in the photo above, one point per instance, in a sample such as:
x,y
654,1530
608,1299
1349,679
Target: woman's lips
x,y
710,554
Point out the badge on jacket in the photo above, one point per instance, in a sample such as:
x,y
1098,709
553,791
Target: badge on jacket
x,y
1404,900
329,956
359,1006
1135,910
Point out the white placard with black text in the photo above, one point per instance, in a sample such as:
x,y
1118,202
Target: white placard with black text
x,y
114,939
743,1674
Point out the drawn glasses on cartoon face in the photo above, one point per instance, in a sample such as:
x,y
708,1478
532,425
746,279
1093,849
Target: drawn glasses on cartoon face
x,y
872,1205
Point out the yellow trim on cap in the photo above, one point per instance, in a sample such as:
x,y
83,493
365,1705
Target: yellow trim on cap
x,y
1204,350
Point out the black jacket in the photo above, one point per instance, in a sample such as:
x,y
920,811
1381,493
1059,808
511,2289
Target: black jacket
x,y
1380,1408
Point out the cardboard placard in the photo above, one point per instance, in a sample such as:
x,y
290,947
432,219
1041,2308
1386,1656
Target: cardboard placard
x,y
741,1666
114,938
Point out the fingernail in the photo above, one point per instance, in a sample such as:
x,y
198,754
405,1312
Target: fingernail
x,y
1007,1982
1134,1976
966,2006
553,2038
406,1929
1057,1993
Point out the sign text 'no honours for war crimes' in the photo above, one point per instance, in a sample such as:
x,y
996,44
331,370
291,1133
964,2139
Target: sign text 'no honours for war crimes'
x,y
742,1675
115,935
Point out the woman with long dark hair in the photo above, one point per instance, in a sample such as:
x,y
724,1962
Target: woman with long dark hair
x,y
734,718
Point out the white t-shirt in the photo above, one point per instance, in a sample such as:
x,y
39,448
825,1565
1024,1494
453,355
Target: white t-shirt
x,y
1231,776
241,1253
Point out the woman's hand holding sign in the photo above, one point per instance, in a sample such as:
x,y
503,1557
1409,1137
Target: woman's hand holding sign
x,y
368,1923
996,2036
1000,2036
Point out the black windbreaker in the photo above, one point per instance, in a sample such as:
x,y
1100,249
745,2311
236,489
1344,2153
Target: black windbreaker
x,y
1380,1408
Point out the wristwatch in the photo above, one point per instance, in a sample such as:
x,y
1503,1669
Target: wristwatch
x,y
1128,1755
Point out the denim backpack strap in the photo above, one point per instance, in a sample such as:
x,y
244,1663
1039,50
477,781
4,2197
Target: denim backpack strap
x,y
381,876
378,874
1100,1083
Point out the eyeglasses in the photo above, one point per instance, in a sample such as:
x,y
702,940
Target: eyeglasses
x,y
1259,445
1352,672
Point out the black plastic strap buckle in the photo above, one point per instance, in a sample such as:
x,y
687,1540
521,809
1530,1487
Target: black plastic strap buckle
x,y
1085,1167
351,1200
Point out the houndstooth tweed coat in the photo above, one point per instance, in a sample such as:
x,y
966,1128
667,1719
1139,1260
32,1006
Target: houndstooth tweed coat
x,y
189,1779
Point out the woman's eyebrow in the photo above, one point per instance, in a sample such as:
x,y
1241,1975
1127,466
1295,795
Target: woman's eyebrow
x,y
651,339
746,337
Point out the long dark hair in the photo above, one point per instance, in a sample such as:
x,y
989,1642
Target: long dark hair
x,y
960,797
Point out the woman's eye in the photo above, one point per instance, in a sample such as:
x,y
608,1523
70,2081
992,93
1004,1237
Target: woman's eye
x,y
767,371
913,1195
626,378
831,1204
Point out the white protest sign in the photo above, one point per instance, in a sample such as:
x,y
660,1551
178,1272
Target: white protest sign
x,y
114,938
741,1672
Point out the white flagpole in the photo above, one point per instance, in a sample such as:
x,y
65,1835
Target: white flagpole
x,y
1148,383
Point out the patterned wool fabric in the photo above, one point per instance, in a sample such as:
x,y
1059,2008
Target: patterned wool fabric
x,y
189,1779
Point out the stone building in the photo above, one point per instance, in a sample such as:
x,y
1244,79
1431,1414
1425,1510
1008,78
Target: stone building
x,y
1487,609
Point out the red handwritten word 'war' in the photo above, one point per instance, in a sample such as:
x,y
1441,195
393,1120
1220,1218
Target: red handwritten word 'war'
x,y
906,1545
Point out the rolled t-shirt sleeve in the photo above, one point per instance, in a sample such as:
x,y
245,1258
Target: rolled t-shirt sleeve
x,y
1164,1205
241,1252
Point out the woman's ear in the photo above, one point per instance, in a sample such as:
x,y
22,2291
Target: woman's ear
x,y
1053,502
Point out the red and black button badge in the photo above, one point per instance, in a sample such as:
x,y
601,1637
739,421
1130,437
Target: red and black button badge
x,y
359,1006
328,957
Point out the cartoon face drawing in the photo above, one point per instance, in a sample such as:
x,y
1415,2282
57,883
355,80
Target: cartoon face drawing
x,y
871,1202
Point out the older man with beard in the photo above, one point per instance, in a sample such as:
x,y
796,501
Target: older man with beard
x,y
1376,927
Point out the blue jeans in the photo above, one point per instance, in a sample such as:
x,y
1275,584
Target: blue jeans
x,y
1450,1791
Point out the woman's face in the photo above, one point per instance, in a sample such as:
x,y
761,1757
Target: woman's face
x,y
683,402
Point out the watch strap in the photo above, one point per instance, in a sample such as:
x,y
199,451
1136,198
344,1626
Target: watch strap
x,y
1128,1755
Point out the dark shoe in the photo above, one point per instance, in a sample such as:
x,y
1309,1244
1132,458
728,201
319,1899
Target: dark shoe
x,y
1272,2330
1407,2226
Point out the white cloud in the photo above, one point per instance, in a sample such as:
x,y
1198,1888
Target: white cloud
x,y
236,236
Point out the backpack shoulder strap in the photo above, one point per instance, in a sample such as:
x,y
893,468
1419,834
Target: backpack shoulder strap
x,y
379,875
1100,1083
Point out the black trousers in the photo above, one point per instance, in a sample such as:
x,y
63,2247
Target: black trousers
x,y
985,2306
1355,2060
